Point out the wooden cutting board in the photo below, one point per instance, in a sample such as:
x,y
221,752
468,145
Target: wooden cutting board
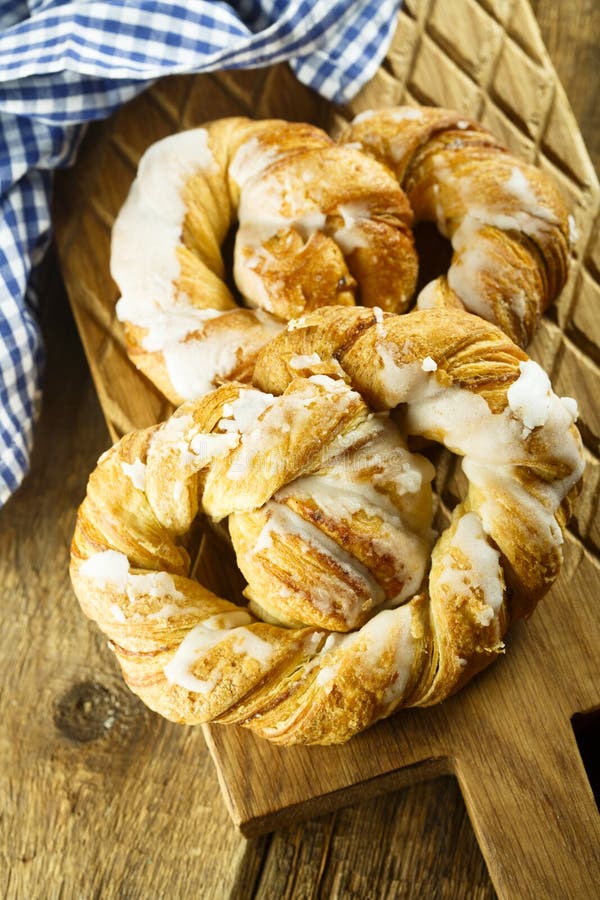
x,y
508,737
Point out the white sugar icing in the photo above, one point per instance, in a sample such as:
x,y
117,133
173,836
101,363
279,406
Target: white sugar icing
x,y
426,298
364,650
279,415
518,303
295,324
573,231
364,116
109,567
273,204
242,414
570,405
493,445
198,363
230,627
145,265
148,228
351,236
392,628
251,158
472,258
151,584
261,213
172,439
470,262
334,386
520,187
106,567
212,446
483,574
305,361
136,471
529,396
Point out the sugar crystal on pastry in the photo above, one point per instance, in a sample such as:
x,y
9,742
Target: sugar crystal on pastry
x,y
529,396
137,472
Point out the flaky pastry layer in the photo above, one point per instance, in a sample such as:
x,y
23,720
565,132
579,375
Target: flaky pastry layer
x,y
365,610
317,224
506,221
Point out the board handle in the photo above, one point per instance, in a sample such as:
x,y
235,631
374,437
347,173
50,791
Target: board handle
x,y
533,811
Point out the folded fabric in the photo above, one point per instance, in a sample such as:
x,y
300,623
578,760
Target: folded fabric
x,y
63,64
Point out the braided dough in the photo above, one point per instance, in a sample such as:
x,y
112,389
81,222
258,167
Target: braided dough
x,y
304,469
507,223
323,224
319,224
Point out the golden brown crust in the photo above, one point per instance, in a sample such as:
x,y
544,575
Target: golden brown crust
x,y
322,223
505,218
317,224
314,484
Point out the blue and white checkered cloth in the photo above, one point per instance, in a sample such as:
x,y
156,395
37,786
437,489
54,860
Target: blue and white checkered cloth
x,y
64,63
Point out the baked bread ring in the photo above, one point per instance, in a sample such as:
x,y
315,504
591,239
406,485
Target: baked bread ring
x,y
318,224
507,223
243,453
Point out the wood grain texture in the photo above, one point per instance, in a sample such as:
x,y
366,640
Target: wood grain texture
x,y
103,799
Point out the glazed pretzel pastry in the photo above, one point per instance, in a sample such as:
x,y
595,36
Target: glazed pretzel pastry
x,y
318,224
508,226
356,608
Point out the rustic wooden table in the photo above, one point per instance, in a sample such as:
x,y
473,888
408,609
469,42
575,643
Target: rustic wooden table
x,y
100,798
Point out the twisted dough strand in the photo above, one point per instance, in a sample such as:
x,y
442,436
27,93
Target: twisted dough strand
x,y
506,221
195,657
319,224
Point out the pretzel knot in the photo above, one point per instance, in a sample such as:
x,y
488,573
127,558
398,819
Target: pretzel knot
x,y
317,224
356,608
